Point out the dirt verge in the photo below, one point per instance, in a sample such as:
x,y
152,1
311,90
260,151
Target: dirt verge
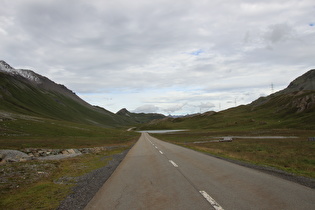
x,y
88,184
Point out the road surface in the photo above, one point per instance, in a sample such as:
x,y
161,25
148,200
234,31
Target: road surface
x,y
160,175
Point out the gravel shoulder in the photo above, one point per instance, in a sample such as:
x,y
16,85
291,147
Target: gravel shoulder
x,y
57,157
88,184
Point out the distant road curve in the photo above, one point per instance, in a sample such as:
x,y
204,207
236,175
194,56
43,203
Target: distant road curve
x,y
159,175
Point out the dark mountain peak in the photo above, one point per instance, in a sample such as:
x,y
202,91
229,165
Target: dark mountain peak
x,y
123,112
304,82
139,117
298,97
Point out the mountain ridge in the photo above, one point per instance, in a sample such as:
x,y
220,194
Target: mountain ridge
x,y
40,81
303,82
26,92
140,117
292,107
302,85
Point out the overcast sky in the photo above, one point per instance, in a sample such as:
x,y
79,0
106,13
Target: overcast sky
x,y
166,56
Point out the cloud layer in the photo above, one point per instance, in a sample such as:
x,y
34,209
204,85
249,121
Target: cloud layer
x,y
175,57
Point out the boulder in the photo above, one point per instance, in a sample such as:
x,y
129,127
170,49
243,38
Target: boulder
x,y
70,151
77,151
64,152
2,156
13,155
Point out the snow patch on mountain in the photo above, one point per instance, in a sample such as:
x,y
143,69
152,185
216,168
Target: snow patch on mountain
x,y
28,74
5,67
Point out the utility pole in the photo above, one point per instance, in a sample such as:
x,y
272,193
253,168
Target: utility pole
x,y
272,90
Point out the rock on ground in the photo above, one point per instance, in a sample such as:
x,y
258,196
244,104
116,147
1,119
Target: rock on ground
x,y
13,156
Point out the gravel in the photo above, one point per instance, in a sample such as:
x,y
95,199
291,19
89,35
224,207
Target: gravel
x,y
58,157
88,184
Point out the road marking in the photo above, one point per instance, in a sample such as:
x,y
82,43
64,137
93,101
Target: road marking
x,y
156,147
161,152
211,200
174,164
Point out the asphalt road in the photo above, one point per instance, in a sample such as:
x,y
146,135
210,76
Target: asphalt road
x,y
160,175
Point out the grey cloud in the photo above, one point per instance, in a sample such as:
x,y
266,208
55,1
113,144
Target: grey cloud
x,y
57,21
148,108
108,46
278,32
173,108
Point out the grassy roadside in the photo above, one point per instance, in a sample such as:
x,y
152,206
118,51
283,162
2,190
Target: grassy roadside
x,y
294,155
42,185
30,132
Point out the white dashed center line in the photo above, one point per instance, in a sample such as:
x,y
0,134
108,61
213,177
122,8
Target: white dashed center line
x,y
213,203
174,164
211,200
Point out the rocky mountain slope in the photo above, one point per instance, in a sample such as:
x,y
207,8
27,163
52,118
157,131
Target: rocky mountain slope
x,y
26,92
302,83
298,97
39,81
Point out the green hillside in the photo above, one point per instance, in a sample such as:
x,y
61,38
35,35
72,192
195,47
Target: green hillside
x,y
32,115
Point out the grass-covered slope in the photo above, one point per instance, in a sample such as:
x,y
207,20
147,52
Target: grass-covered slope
x,y
21,131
